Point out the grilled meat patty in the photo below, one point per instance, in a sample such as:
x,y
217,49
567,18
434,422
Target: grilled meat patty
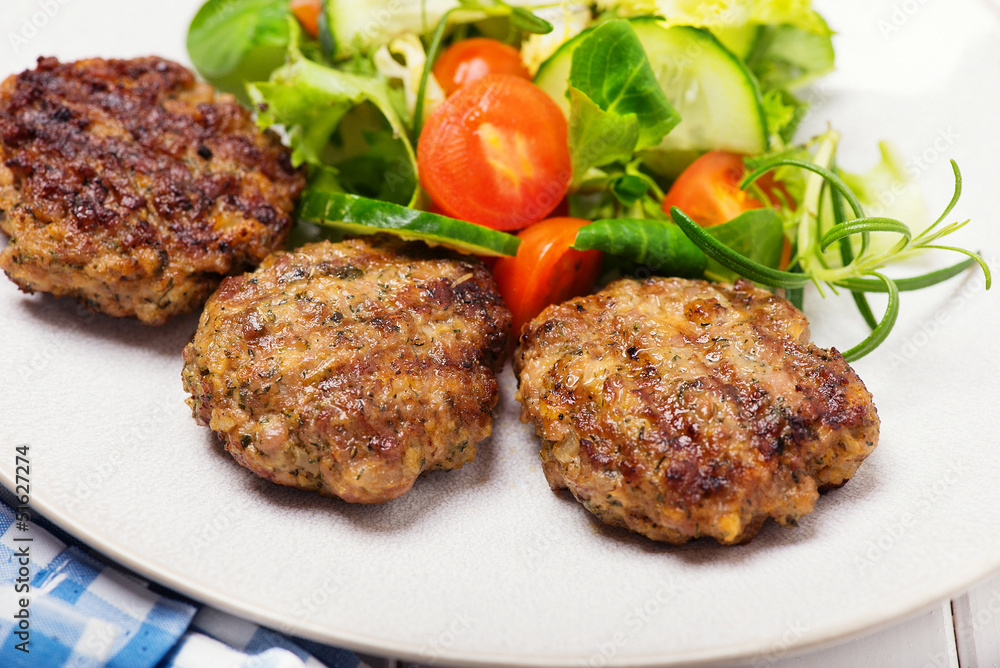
x,y
134,188
681,409
349,369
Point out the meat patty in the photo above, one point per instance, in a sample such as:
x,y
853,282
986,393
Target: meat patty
x,y
134,188
681,409
349,369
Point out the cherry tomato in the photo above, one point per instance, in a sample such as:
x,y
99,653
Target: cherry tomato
x,y
307,12
545,270
496,153
708,191
471,59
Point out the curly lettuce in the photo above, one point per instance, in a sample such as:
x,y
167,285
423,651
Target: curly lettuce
x,y
347,121
720,14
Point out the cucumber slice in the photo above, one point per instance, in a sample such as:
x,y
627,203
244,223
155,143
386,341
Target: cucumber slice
x,y
361,27
353,214
717,97
740,41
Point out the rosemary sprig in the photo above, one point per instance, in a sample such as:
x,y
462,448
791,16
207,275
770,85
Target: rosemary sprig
x,y
733,260
909,284
847,256
858,273
881,331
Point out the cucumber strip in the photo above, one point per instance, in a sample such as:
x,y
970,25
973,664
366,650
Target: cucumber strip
x,y
354,214
718,98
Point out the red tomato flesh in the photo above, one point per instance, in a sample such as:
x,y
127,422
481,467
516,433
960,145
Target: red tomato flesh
x,y
307,12
708,191
496,153
545,270
472,59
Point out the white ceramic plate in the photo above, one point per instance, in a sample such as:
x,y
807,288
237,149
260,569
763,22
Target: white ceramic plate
x,y
486,565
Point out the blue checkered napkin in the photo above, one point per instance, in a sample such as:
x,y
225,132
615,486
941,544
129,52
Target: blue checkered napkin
x,y
223,641
82,612
85,613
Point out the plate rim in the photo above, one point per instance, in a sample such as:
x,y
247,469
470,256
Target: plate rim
x,y
811,640
866,622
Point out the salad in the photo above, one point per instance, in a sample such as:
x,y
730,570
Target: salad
x,y
571,142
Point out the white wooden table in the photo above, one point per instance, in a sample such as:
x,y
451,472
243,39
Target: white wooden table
x,y
961,633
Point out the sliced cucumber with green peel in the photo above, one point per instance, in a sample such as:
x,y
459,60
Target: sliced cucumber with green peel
x,y
361,27
353,214
717,97
740,41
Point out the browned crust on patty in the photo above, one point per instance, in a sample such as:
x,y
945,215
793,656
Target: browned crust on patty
x,y
131,186
349,369
681,409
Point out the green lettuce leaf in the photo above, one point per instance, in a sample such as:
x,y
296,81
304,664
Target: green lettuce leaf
x,y
664,248
783,112
757,234
231,42
657,244
887,191
310,101
610,67
598,137
617,107
792,47
787,57
724,14
381,171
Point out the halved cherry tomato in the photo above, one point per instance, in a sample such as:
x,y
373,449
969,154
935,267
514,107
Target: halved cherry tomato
x,y
709,192
496,153
471,59
307,12
546,270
